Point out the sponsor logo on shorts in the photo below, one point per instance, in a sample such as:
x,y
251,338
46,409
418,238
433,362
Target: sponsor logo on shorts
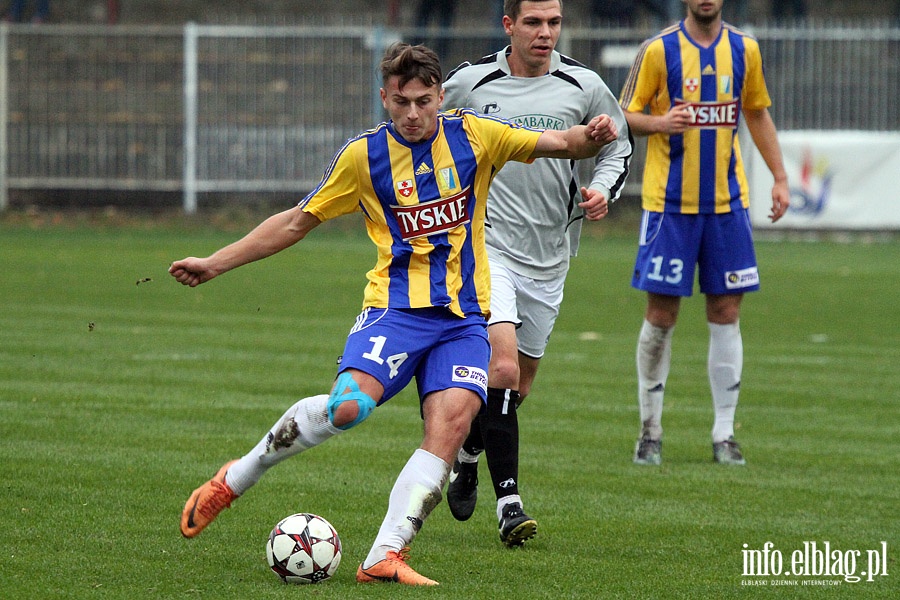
x,y
735,280
473,375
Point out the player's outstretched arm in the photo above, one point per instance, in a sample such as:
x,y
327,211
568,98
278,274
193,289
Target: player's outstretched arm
x,y
579,141
273,235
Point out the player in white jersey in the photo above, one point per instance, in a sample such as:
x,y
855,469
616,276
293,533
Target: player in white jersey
x,y
534,216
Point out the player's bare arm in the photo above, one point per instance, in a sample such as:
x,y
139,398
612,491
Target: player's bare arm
x,y
580,141
673,122
762,130
273,235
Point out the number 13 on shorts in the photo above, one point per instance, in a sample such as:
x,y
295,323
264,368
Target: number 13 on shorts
x,y
669,271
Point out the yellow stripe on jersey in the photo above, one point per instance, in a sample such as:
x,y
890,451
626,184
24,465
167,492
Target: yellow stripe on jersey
x,y
425,207
701,170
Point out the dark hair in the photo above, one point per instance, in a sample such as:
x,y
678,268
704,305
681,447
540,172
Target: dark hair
x,y
511,7
411,62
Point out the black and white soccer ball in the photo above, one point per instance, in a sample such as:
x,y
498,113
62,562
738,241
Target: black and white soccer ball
x,y
303,548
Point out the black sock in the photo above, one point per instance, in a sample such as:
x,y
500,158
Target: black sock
x,y
474,444
500,432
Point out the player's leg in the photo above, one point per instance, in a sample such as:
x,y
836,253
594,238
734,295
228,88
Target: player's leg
x,y
453,394
725,364
728,269
514,524
310,421
654,354
307,423
499,421
664,268
528,368
417,490
492,427
503,374
537,305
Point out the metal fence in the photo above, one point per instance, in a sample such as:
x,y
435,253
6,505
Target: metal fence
x,y
199,109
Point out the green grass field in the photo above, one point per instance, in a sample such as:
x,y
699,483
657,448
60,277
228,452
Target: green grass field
x,y
121,391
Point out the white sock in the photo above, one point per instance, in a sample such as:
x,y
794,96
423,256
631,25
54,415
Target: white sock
x,y
654,356
301,427
415,494
725,363
502,502
465,457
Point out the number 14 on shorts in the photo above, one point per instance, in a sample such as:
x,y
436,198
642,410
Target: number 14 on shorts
x,y
393,361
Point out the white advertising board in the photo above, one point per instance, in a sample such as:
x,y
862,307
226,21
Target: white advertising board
x,y
838,180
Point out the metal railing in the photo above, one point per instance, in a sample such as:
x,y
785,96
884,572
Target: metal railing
x,y
199,109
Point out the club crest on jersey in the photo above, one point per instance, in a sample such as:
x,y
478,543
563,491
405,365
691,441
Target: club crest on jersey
x,y
446,179
432,217
691,84
725,84
405,187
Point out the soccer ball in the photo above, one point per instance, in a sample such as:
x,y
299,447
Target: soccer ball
x,y
303,548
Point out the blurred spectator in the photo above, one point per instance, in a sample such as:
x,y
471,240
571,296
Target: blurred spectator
x,y
442,11
789,10
16,12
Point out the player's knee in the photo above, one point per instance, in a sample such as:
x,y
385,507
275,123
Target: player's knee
x,y
347,405
504,372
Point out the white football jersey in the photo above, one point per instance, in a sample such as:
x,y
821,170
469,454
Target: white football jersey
x,y
533,221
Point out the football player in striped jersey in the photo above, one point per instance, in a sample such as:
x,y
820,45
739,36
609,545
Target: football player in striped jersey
x,y
687,90
420,182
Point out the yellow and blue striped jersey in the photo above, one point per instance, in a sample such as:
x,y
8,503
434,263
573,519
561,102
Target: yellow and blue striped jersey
x,y
424,207
701,170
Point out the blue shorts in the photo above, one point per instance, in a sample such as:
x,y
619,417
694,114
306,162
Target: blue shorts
x,y
673,244
438,348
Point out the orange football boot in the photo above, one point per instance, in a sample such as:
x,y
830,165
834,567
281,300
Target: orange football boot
x,y
393,569
206,503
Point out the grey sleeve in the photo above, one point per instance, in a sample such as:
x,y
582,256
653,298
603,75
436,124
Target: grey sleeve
x,y
613,162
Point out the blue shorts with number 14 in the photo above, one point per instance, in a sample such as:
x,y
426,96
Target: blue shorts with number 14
x,y
438,348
